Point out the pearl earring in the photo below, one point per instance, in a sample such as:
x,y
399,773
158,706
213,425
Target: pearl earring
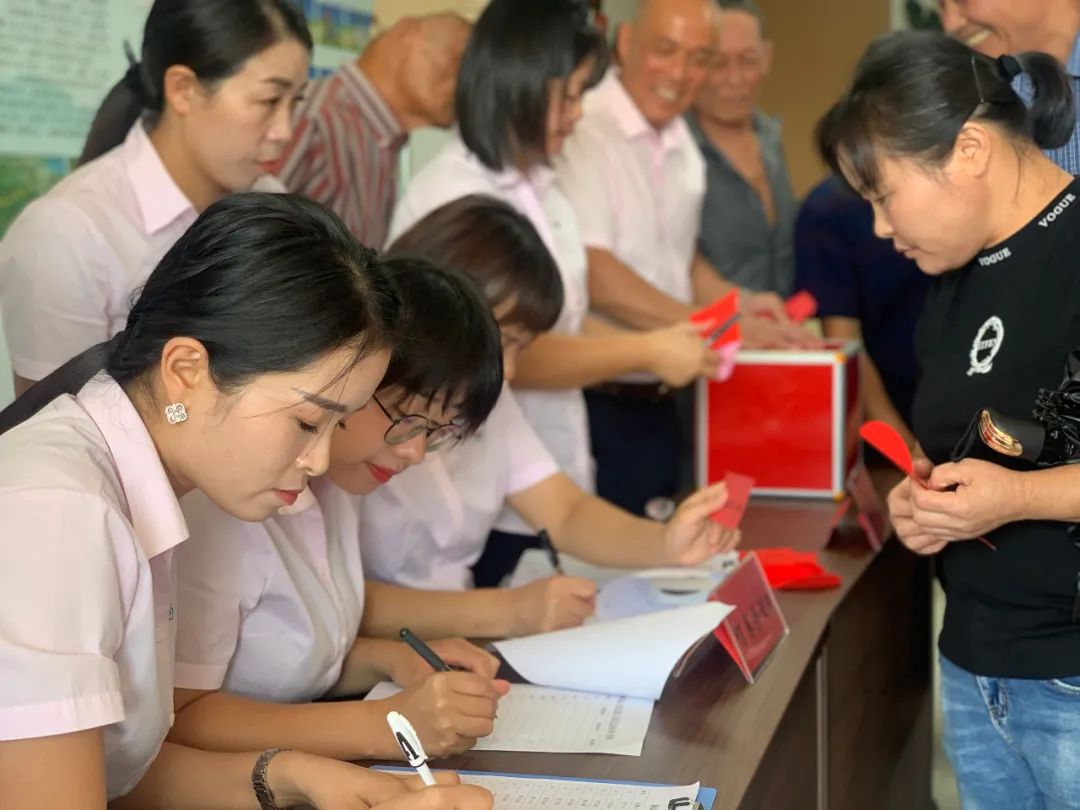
x,y
176,413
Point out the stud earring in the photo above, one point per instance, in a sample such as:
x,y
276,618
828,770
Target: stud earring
x,y
176,413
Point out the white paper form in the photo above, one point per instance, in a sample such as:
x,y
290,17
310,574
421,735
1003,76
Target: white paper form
x,y
557,721
631,657
513,792
655,589
535,564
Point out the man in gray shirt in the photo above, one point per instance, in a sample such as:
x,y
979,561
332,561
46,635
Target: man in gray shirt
x,y
749,212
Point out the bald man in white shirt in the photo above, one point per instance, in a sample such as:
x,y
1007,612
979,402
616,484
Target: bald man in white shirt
x,y
636,181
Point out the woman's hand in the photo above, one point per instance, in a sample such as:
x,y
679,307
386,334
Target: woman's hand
x,y
968,499
299,778
454,797
902,515
692,536
962,501
554,603
408,669
450,710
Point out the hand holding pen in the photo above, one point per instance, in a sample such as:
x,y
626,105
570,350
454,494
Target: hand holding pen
x,y
449,710
452,796
552,603
549,548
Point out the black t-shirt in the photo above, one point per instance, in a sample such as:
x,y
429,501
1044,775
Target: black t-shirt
x,y
991,335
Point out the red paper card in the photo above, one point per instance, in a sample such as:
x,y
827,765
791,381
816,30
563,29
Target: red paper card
x,y
800,306
720,312
738,487
884,438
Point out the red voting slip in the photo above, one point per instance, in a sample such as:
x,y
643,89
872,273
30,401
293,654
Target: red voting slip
x,y
801,306
790,570
720,320
884,438
738,489
756,626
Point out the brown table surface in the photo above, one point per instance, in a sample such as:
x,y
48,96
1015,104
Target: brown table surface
x,y
710,725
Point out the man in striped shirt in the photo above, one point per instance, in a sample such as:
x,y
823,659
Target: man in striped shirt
x,y
353,124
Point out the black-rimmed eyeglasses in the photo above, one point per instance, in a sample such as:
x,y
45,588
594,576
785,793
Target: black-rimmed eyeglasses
x,y
407,427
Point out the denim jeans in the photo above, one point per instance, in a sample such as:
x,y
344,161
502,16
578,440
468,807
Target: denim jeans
x,y
1014,743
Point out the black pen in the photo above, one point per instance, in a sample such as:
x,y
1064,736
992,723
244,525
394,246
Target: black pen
x,y
553,555
424,651
718,332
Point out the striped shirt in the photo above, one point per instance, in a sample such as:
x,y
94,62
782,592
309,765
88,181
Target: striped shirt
x,y
344,153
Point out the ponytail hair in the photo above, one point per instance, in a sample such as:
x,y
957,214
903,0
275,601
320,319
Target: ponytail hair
x,y
268,283
1052,115
913,92
214,38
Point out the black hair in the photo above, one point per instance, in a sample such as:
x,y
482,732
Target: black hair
x,y
516,48
746,7
267,282
500,249
212,37
913,92
447,344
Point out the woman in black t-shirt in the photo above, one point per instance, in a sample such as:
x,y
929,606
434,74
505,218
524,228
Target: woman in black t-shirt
x,y
934,136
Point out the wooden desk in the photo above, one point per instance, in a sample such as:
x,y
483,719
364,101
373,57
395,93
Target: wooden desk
x,y
841,717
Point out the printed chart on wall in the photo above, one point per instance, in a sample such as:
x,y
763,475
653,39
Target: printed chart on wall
x,y
58,58
341,29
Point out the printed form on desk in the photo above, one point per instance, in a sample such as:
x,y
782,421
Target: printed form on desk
x,y
533,792
539,719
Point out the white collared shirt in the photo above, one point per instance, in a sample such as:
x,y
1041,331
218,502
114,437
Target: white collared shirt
x,y
427,526
72,259
558,416
637,192
88,521
269,610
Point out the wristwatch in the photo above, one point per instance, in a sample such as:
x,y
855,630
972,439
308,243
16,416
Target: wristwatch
x,y
258,779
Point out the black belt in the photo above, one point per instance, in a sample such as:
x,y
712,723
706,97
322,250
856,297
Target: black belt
x,y
646,392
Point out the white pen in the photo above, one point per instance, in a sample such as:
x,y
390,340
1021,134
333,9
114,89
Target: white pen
x,y
409,741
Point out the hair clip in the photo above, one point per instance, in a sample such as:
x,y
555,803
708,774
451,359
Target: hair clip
x,y
978,84
1009,67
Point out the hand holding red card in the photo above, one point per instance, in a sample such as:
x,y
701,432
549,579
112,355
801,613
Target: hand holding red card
x,y
739,488
720,320
884,438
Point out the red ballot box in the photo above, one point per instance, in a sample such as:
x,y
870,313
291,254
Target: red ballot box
x,y
789,419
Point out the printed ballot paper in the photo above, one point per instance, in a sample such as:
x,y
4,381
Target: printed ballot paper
x,y
540,719
529,792
532,792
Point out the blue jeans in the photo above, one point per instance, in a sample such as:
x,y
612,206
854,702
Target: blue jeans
x,y
1014,743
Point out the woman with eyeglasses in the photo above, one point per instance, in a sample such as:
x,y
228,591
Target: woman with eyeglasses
x,y
262,328
426,526
272,611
